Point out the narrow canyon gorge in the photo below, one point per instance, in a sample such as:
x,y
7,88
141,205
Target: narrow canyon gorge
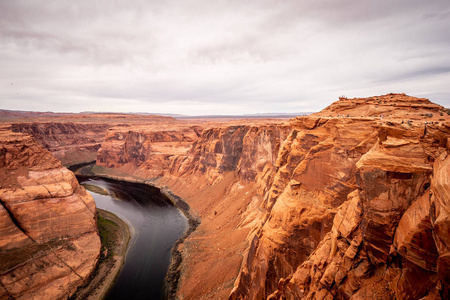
x,y
352,202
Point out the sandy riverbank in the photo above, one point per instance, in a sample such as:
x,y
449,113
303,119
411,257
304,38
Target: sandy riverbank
x,y
115,235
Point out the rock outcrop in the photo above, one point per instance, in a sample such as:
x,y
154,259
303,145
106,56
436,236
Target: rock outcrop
x,y
315,172
75,138
49,243
339,204
348,203
391,106
383,241
71,143
146,150
217,175
389,165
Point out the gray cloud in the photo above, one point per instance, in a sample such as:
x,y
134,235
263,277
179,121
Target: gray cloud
x,y
201,56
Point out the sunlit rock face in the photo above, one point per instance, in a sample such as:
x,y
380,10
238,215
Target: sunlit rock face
x,y
396,261
384,242
391,106
316,169
348,203
49,243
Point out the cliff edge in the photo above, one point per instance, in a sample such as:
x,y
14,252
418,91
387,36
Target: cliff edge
x,y
348,203
49,243
324,206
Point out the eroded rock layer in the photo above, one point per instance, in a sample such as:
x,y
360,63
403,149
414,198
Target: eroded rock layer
x,y
72,143
147,148
389,106
49,243
383,241
217,176
346,203
75,138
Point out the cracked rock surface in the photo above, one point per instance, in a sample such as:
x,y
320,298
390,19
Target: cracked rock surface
x,y
49,242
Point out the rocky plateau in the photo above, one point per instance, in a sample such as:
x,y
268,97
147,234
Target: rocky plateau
x,y
349,203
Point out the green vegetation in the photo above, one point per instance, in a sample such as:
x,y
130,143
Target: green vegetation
x,y
108,231
114,235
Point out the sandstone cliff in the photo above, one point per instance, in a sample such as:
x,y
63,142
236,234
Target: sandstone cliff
x,y
217,174
383,243
76,138
315,244
318,207
223,178
392,106
145,149
49,243
71,143
315,172
351,202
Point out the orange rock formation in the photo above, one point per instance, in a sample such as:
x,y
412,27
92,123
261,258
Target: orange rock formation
x,y
388,106
74,138
351,202
49,243
69,142
322,206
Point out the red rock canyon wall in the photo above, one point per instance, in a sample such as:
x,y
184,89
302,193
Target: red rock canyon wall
x,y
351,202
49,243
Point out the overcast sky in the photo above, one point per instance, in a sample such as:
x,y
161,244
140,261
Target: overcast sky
x,y
219,57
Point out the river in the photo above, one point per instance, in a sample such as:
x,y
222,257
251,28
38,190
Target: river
x,y
155,223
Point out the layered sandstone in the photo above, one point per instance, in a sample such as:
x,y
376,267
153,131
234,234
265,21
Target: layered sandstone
x,y
390,106
76,138
383,241
179,148
351,202
71,143
315,172
381,167
145,149
222,165
321,206
49,243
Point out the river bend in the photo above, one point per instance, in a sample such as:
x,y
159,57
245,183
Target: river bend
x,y
155,224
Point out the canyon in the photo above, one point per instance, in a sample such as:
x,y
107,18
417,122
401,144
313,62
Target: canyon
x,y
348,203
